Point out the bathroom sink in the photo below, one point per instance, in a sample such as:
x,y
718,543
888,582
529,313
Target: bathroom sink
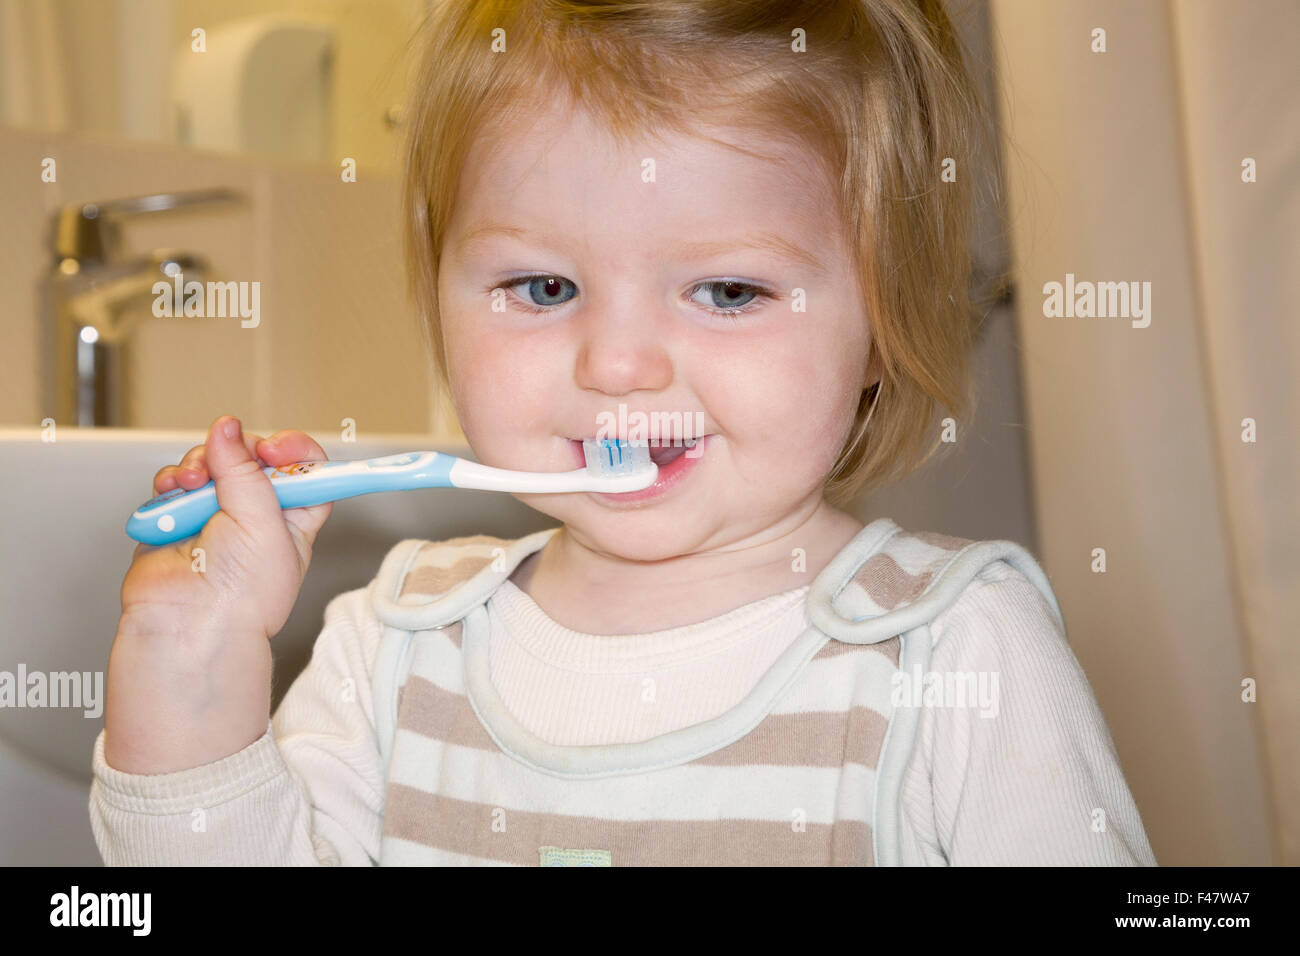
x,y
63,553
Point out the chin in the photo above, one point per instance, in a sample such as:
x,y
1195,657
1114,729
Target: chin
x,y
650,533
634,547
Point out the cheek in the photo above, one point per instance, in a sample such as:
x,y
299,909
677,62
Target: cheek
x,y
788,412
795,399
500,396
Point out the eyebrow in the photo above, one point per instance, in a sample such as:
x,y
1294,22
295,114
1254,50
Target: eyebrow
x,y
768,241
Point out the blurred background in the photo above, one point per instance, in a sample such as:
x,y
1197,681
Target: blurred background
x,y
217,138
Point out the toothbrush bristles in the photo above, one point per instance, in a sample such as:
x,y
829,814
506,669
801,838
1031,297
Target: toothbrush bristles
x,y
609,456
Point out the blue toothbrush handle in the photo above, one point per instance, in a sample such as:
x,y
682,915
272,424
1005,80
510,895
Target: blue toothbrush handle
x,y
179,514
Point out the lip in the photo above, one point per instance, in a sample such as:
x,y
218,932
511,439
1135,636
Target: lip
x,y
670,475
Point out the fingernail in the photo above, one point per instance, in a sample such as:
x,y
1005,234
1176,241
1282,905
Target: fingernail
x,y
232,428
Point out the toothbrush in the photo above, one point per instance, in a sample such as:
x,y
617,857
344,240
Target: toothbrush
x,y
613,466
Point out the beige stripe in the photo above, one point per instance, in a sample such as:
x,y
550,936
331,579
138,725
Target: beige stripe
x,y
834,648
945,541
452,633
816,739
441,715
464,827
887,584
432,580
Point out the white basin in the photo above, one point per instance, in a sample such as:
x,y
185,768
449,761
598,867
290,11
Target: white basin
x,y
63,553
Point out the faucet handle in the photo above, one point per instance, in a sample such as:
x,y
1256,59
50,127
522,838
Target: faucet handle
x,y
89,231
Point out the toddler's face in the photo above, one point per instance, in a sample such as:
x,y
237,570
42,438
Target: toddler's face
x,y
650,294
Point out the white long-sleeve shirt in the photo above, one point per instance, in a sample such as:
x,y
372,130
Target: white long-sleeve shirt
x,y
1039,783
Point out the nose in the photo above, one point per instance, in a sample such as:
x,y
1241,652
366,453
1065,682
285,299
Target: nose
x,y
622,350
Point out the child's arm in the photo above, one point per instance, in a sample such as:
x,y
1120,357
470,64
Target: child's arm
x,y
1037,784
309,792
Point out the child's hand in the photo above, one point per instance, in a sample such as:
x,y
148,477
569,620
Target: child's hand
x,y
189,676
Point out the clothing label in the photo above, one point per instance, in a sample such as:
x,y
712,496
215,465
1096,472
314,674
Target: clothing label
x,y
558,856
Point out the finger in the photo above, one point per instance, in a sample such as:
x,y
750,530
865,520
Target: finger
x,y
167,477
290,445
192,471
196,457
285,447
293,445
243,491
164,479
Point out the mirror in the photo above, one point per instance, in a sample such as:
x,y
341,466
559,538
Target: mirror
x,y
288,112
309,81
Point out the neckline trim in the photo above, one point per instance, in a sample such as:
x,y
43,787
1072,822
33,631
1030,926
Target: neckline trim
x,y
607,760
590,761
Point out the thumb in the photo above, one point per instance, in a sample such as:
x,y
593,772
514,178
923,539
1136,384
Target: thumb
x,y
243,491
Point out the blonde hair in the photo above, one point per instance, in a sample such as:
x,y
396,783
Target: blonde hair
x,y
881,96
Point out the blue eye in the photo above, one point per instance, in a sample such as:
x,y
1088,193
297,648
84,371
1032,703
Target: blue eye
x,y
730,297
543,291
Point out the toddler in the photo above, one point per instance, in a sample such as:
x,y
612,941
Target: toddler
x,y
729,215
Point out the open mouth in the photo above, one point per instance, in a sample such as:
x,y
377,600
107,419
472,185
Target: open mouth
x,y
675,458
663,452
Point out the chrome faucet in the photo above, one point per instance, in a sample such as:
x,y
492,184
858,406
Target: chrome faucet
x,y
91,294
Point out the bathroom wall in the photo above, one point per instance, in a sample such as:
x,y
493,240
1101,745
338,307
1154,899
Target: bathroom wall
x,y
336,337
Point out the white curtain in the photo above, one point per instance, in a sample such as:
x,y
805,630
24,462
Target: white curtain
x,y
1127,166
